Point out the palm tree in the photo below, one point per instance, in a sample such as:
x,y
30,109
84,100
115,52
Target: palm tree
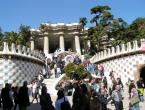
x,y
25,32
10,37
1,38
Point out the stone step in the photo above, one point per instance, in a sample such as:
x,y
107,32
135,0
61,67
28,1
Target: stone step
x,y
51,84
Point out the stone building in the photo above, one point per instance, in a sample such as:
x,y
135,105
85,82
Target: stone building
x,y
51,37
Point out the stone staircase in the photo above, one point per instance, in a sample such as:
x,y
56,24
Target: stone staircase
x,y
51,84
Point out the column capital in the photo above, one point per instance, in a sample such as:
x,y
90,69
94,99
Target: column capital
x,y
46,33
60,33
76,33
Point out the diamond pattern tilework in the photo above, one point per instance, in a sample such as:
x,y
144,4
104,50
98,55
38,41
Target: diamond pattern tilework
x,y
17,71
124,67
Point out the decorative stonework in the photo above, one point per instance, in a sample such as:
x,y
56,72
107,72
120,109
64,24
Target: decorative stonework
x,y
19,64
125,60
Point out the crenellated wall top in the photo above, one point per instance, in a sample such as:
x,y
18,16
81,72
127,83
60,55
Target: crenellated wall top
x,y
22,51
119,50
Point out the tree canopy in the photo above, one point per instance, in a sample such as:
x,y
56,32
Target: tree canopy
x,y
116,29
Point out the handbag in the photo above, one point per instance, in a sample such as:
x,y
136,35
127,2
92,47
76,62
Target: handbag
x,y
134,100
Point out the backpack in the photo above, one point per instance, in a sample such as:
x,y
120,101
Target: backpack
x,y
65,105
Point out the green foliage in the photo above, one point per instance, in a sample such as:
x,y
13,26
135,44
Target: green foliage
x,y
87,56
69,69
1,39
80,71
83,21
43,27
10,37
24,35
101,15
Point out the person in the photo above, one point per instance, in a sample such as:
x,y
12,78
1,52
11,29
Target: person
x,y
140,85
119,82
61,99
23,96
103,99
133,94
35,91
15,95
6,97
45,100
105,82
117,98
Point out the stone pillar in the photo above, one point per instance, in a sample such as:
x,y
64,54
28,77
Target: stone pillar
x,y
61,43
46,44
32,44
77,44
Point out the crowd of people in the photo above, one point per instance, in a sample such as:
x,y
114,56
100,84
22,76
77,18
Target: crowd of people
x,y
87,94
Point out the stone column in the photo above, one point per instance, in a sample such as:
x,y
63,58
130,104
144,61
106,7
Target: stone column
x,y
77,44
32,44
46,43
61,43
88,43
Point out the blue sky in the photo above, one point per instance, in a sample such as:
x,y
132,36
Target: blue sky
x,y
13,13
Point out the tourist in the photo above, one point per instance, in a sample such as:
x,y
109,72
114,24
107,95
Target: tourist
x,y
117,98
60,100
15,95
140,85
45,100
77,60
134,105
119,82
23,96
105,82
6,96
35,91
103,99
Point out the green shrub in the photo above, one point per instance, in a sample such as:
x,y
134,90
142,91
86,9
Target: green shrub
x,y
69,69
81,71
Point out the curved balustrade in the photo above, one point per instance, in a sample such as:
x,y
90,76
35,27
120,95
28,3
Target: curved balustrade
x,y
119,50
22,51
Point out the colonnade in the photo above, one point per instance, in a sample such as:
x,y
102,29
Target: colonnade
x,y
46,43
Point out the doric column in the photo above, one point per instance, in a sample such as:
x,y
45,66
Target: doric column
x,y
32,43
77,44
46,43
61,42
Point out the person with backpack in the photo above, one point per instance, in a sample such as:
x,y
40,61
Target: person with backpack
x,y
62,102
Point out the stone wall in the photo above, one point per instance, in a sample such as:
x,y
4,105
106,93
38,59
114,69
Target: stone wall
x,y
123,59
18,64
